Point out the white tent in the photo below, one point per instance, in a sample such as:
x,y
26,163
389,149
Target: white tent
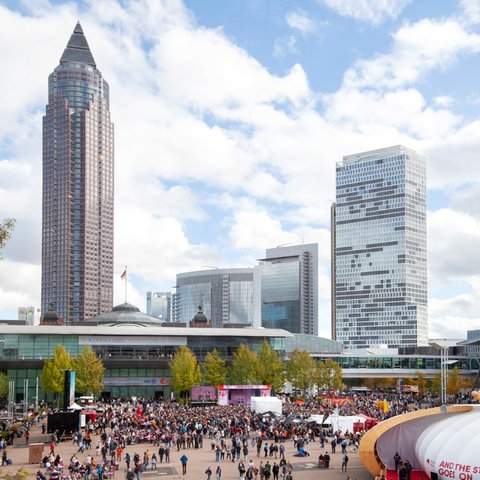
x,y
344,424
266,404
318,419
75,406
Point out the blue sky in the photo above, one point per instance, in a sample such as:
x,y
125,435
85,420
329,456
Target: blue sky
x,y
229,119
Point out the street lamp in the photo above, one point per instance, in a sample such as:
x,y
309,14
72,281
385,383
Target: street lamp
x,y
443,345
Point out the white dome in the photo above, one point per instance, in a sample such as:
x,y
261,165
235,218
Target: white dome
x,y
449,447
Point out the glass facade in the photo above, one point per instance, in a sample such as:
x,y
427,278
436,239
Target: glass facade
x,y
159,305
281,296
77,210
409,364
380,264
226,296
136,359
289,288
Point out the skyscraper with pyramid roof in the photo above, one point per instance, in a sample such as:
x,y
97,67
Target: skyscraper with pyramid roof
x,y
78,181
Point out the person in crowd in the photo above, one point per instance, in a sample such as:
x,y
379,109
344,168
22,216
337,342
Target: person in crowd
x,y
184,461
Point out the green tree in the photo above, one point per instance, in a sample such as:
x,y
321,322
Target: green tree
x,y
185,371
301,370
3,385
328,375
53,375
421,382
378,383
271,370
214,370
244,368
6,229
89,371
455,382
436,386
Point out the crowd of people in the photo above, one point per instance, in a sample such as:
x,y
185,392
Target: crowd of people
x,y
256,443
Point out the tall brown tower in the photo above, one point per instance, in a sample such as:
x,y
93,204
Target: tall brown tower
x,y
78,171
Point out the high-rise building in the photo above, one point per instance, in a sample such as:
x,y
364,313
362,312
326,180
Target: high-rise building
x,y
78,163
159,305
289,288
226,295
29,315
379,273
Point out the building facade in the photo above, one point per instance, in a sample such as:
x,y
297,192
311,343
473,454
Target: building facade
x,y
77,208
135,350
29,315
159,305
380,253
289,288
227,297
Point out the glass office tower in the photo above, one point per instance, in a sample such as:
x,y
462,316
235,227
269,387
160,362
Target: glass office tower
x,y
159,305
379,235
226,296
289,288
77,223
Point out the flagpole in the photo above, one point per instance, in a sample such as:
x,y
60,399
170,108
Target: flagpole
x,y
125,284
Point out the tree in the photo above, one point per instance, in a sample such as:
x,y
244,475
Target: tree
x,y
271,370
437,384
328,375
301,370
185,371
244,368
89,371
3,385
421,382
376,383
214,369
455,381
21,474
53,376
6,229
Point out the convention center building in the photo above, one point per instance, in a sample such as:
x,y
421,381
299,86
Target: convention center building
x,y
136,349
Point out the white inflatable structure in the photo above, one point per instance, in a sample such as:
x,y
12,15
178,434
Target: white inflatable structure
x,y
266,404
444,445
450,448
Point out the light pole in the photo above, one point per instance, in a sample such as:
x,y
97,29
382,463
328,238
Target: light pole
x,y
443,345
443,374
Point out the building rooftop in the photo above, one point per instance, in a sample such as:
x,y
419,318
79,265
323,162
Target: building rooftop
x,y
77,50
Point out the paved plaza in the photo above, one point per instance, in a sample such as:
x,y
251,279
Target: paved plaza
x,y
304,468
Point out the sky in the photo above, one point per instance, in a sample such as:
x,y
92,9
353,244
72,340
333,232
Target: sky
x,y
230,117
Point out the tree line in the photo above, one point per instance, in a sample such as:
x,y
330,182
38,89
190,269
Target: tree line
x,y
247,368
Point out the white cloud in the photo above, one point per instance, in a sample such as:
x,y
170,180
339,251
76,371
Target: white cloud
x,y
417,49
300,21
284,46
471,11
453,252
443,101
371,11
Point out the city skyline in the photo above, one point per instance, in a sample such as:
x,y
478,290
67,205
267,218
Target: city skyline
x,y
229,120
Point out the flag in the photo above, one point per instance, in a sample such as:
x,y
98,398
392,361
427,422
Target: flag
x,y
123,276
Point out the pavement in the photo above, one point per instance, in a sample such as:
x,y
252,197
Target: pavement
x,y
304,468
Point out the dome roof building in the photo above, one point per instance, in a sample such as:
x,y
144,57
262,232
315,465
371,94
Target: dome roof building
x,y
200,320
127,314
